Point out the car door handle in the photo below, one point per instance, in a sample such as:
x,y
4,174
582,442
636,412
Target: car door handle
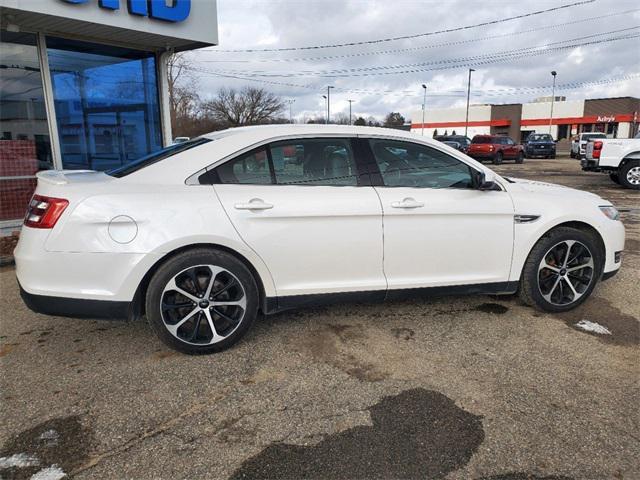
x,y
254,204
407,203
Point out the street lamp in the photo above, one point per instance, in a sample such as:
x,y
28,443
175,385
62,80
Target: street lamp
x,y
329,87
291,101
466,120
424,105
326,120
553,97
350,102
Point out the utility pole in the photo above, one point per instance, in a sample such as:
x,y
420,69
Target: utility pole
x,y
291,101
466,120
329,87
350,102
553,97
424,105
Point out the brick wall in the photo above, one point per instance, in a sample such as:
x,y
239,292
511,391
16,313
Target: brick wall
x,y
17,158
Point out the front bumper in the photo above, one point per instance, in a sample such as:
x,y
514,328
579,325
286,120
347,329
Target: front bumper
x,y
540,151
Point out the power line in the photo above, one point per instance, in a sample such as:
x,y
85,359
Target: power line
x,y
442,64
410,49
417,35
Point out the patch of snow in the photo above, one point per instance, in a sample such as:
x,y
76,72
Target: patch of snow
x,y
593,327
53,472
19,460
50,437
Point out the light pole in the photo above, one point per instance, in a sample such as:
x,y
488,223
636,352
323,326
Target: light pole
x,y
326,120
329,87
350,102
424,105
553,97
291,101
466,119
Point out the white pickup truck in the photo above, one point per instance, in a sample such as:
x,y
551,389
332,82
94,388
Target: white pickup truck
x,y
579,143
618,157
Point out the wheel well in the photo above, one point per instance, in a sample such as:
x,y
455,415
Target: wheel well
x,y
585,227
137,309
628,158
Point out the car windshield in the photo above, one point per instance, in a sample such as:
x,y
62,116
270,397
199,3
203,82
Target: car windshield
x,y
540,138
156,157
482,140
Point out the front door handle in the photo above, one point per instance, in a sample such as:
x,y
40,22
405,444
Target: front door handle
x,y
254,204
407,203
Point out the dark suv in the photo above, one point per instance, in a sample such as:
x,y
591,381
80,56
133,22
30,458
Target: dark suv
x,y
495,148
540,145
459,142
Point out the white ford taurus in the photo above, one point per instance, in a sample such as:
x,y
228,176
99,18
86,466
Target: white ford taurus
x,y
203,235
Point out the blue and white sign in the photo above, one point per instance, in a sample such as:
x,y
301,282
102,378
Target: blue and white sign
x,y
158,9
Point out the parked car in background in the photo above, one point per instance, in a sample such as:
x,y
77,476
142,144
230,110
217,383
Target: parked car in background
x,y
203,235
540,145
495,148
579,143
462,141
619,157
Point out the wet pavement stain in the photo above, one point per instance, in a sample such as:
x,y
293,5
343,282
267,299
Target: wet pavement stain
x,y
63,442
494,308
416,434
525,476
625,329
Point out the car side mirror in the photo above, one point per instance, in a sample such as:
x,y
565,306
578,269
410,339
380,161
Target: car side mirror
x,y
483,182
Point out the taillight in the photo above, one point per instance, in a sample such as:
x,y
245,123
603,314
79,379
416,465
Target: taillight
x,y
44,212
597,149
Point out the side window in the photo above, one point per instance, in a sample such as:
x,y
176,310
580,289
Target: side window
x,y
249,168
509,141
318,161
405,164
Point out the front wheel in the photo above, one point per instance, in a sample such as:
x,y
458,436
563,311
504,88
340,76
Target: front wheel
x,y
562,270
201,301
630,175
497,158
520,158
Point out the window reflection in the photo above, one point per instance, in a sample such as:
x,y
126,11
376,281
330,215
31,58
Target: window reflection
x,y
24,132
106,103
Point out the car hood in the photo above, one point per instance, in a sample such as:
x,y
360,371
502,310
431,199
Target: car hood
x,y
532,186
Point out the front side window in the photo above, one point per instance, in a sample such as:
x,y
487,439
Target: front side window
x,y
314,162
405,164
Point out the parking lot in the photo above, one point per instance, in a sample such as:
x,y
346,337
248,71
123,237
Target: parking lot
x,y
457,387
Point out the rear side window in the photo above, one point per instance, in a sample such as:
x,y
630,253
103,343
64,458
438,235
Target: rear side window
x,y
482,140
249,168
319,161
314,162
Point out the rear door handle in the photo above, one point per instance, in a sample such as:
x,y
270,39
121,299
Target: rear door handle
x,y
407,203
254,204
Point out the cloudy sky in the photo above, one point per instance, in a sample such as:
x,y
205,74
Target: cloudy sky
x,y
594,46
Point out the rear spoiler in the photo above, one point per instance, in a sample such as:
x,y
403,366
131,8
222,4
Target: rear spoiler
x,y
64,177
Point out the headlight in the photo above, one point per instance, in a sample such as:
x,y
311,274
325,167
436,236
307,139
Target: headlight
x,y
610,211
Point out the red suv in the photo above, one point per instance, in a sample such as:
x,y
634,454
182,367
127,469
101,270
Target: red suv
x,y
496,148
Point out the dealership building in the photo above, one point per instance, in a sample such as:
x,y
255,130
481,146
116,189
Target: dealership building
x,y
83,84
616,117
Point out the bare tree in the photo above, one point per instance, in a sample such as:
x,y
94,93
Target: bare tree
x,y
249,106
393,120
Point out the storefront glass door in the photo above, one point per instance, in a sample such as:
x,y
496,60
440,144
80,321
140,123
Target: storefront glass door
x,y
106,102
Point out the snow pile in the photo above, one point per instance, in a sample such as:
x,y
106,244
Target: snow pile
x,y
593,327
18,460
50,473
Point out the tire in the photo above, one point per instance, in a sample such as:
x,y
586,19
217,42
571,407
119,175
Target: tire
x,y
193,273
520,158
630,175
572,154
497,158
615,178
539,285
552,157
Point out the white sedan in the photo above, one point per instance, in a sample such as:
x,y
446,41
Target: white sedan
x,y
203,235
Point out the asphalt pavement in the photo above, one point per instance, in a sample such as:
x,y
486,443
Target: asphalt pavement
x,y
456,387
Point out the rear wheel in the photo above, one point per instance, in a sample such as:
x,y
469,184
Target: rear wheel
x,y
630,175
562,270
520,158
201,301
497,158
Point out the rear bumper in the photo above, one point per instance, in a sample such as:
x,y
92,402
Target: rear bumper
x,y
589,165
76,307
481,156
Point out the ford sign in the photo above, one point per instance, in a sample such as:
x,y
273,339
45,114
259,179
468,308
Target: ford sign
x,y
157,9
